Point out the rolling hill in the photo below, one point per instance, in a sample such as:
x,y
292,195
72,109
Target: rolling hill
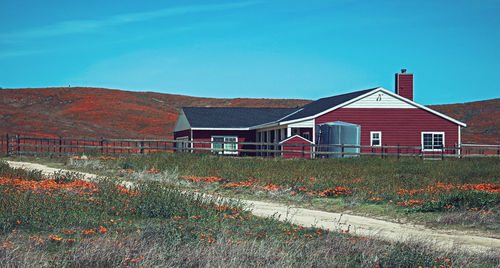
x,y
100,112
482,119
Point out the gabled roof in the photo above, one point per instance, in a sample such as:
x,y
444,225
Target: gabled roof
x,y
323,104
237,118
232,117
326,105
293,137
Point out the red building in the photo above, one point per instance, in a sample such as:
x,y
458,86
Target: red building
x,y
385,118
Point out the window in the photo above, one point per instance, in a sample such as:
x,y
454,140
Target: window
x,y
375,138
432,141
220,145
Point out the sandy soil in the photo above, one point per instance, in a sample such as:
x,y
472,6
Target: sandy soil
x,y
359,225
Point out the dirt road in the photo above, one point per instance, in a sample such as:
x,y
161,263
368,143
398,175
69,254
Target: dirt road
x,y
362,226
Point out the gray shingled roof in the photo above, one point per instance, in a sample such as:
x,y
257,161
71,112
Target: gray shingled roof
x,y
323,104
233,117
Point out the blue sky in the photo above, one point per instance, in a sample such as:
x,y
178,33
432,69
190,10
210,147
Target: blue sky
x,y
259,49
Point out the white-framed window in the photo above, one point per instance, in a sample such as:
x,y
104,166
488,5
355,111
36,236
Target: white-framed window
x,y
375,138
220,146
432,141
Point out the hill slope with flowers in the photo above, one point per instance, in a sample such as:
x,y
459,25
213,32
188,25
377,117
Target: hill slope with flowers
x,y
110,113
482,119
99,112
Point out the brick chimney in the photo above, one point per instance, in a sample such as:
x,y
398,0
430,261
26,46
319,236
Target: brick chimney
x,y
404,84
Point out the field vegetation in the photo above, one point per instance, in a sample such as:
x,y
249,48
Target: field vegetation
x,y
65,221
454,193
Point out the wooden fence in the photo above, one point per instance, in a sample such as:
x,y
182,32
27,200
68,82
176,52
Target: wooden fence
x,y
19,145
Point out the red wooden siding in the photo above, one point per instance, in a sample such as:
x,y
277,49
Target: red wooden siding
x,y
206,135
404,85
398,126
182,133
296,140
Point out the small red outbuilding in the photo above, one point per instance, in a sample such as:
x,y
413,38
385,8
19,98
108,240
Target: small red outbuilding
x,y
296,143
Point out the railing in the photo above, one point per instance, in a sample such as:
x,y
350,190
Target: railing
x,y
18,145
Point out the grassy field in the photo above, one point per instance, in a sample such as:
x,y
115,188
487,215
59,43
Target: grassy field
x,y
454,193
69,222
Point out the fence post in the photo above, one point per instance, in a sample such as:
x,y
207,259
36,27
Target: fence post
x,y
398,150
498,151
442,152
142,147
18,144
8,145
303,154
101,145
382,151
60,145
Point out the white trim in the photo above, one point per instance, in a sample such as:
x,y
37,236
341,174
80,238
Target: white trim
x,y
378,100
223,149
314,135
269,128
459,152
424,108
215,128
333,108
191,145
285,140
459,136
265,125
372,92
290,114
379,138
303,124
431,132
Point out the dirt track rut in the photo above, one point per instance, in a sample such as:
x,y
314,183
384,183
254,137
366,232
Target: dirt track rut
x,y
359,225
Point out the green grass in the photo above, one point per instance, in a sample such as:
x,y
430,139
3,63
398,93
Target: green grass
x,y
366,177
374,183
375,172
47,224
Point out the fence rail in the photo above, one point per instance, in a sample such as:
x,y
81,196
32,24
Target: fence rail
x,y
18,145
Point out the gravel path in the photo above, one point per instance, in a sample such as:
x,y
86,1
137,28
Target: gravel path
x,y
359,225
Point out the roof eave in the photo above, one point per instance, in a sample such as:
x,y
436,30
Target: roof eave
x,y
423,107
271,124
369,93
331,109
220,128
